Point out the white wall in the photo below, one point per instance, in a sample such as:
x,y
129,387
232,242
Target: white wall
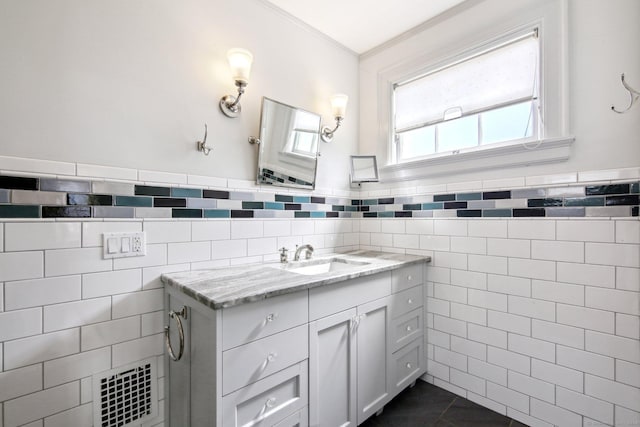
x,y
87,81
602,43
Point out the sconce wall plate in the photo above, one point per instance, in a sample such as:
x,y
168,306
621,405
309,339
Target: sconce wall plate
x,y
230,107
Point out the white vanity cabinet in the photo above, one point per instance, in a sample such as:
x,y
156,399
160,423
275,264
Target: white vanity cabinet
x,y
329,356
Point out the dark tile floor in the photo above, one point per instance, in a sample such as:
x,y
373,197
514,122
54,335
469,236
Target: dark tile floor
x,y
426,405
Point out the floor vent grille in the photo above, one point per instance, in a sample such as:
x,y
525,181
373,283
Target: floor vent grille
x,y
126,395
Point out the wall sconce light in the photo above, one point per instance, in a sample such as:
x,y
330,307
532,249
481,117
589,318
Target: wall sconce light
x,y
240,63
338,107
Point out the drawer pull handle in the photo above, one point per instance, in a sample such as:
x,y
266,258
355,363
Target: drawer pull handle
x,y
408,365
167,338
271,402
409,301
271,357
408,328
271,317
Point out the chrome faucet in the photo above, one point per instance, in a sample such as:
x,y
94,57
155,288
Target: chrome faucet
x,y
299,249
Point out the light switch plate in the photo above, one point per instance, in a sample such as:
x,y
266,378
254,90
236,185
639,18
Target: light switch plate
x,y
123,245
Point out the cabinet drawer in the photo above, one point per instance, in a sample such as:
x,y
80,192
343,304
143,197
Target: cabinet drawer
x,y
406,328
407,301
248,322
267,401
408,365
406,277
299,419
330,299
251,362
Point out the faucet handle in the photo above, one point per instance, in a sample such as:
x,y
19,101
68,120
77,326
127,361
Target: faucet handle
x,y
283,254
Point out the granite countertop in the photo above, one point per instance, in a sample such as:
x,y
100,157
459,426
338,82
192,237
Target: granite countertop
x,y
226,287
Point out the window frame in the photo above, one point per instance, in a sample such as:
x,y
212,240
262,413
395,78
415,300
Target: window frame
x,y
466,54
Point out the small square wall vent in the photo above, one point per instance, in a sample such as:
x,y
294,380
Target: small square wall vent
x,y
126,396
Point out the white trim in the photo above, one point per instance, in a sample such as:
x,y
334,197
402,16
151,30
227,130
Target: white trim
x,y
503,156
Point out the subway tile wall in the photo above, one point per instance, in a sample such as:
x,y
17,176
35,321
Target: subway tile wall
x,y
536,318
66,313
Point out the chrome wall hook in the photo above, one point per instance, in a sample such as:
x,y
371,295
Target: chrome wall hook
x,y
634,95
202,145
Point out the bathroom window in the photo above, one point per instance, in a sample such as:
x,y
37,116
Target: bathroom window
x,y
484,97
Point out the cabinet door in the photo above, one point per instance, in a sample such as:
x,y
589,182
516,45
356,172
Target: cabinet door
x,y
373,340
332,376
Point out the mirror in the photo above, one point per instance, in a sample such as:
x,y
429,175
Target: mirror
x,y
364,169
288,145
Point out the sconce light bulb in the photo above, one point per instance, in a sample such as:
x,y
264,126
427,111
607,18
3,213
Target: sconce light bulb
x,y
339,105
240,63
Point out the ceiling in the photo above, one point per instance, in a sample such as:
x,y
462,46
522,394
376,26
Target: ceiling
x,y
361,25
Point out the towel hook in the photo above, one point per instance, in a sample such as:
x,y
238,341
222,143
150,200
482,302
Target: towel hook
x,y
202,145
634,95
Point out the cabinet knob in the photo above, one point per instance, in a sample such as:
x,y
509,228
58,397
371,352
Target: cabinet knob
x,y
271,402
271,357
271,317
409,278
409,301
408,365
408,328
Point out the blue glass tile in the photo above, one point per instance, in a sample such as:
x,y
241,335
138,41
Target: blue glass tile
x,y
186,213
529,212
146,190
541,203
252,205
412,207
469,196
496,195
274,205
385,214
444,197
241,214
19,183
469,213
165,202
351,208
19,211
584,201
284,198
496,213
370,202
403,214
607,189
432,206
635,187
302,214
186,192
90,199
48,184
215,194
317,214
631,199
301,199
337,208
66,212
141,202
455,205
217,213
370,215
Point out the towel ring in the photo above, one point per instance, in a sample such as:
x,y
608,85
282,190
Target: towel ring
x,y
167,338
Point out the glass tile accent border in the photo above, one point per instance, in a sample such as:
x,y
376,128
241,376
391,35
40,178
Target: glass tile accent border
x,y
31,197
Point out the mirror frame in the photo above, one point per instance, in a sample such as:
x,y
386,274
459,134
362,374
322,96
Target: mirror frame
x,y
374,178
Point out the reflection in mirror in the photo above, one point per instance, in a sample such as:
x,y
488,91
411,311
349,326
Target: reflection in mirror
x,y
288,145
364,169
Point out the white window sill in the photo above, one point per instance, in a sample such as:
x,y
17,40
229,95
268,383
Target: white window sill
x,y
553,150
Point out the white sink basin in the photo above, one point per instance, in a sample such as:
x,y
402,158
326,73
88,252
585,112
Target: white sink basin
x,y
322,266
